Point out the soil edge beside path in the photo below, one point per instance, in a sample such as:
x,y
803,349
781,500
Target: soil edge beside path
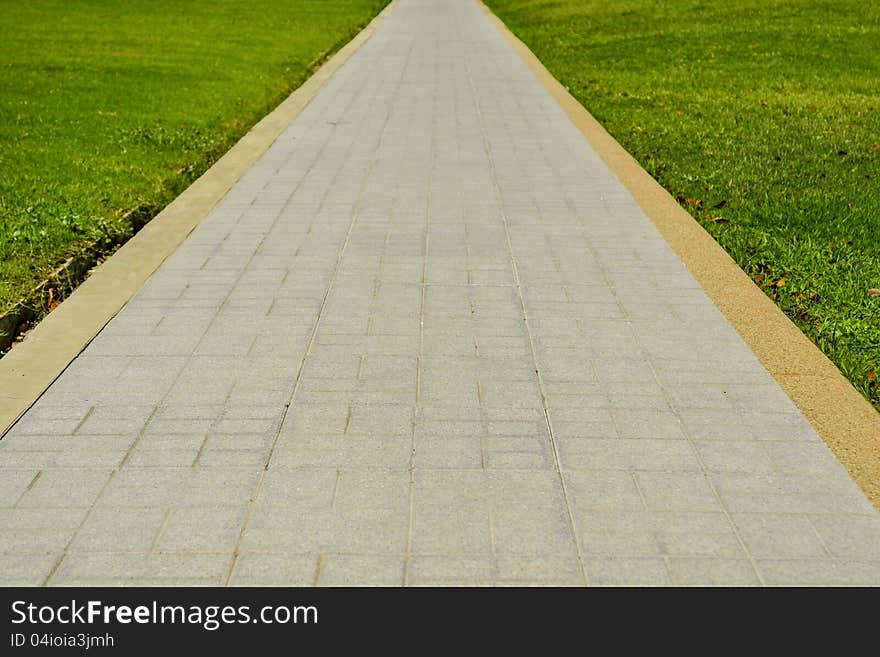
x,y
847,423
29,369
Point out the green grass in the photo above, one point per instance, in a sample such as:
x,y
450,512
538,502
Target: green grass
x,y
762,117
108,107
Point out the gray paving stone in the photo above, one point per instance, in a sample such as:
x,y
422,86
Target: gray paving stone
x,y
818,572
257,569
734,456
133,568
712,572
34,541
450,571
637,423
602,491
486,571
617,571
36,425
724,545
65,488
672,491
544,570
848,537
531,531
457,531
65,446
113,420
355,452
47,518
365,531
781,493
812,458
631,455
780,535
620,544
72,457
449,453
213,529
373,489
14,483
361,570
113,529
26,569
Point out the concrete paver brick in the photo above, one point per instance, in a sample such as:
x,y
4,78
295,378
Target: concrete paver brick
x,y
259,569
625,571
361,570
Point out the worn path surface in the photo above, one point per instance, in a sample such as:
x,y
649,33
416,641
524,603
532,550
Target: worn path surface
x,y
429,338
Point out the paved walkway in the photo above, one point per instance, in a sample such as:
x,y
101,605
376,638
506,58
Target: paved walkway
x,y
428,339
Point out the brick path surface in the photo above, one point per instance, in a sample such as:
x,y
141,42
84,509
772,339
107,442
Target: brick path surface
x,y
428,339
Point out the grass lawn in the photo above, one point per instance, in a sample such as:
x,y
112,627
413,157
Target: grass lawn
x,y
108,107
762,117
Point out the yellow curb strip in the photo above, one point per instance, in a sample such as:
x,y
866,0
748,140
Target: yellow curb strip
x,y
31,367
847,423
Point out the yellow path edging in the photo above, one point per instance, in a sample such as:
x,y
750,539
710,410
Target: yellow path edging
x,y
31,367
847,423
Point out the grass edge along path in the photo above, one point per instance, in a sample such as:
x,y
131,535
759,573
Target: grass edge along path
x,y
27,371
56,270
760,129
844,419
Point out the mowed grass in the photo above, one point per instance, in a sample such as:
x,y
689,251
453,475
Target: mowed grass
x,y
108,107
763,118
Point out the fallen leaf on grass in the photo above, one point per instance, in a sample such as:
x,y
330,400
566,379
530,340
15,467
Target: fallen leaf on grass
x,y
874,292
780,283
